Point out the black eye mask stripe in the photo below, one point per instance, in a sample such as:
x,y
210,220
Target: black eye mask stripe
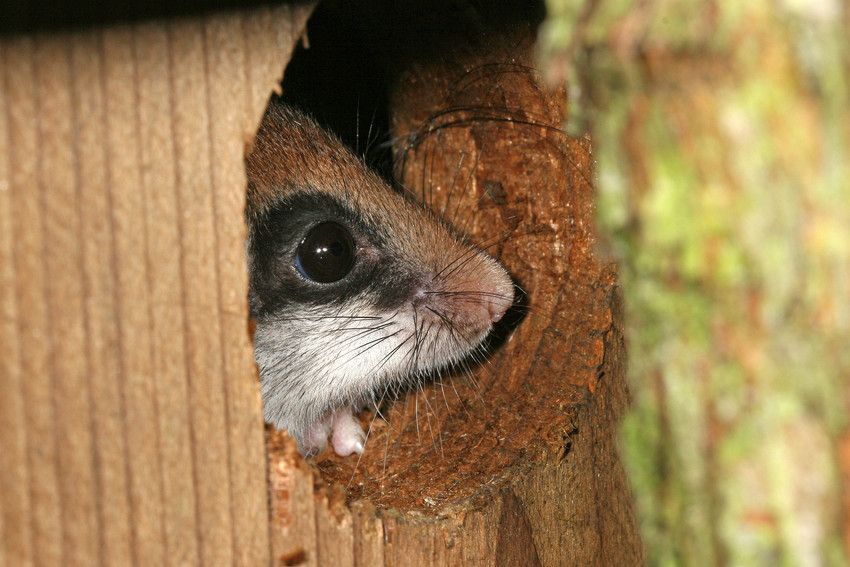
x,y
276,285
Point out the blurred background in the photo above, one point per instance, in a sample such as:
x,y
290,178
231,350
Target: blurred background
x,y
721,136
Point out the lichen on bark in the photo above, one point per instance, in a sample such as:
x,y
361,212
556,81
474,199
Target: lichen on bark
x,y
721,135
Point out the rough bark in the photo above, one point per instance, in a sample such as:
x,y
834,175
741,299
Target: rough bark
x,y
722,133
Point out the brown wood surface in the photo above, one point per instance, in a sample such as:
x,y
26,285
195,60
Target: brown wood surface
x,y
130,423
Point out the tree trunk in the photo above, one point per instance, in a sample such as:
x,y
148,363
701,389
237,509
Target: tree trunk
x,y
722,132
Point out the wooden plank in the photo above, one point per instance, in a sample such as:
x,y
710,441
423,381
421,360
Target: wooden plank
x,y
99,277
133,301
31,290
225,58
130,425
408,543
477,548
368,535
64,287
3,560
191,128
293,506
260,45
270,37
159,179
334,529
15,519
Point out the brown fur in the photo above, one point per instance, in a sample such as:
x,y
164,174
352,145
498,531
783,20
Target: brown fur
x,y
292,152
454,291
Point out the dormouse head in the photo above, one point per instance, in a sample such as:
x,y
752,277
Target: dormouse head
x,y
354,287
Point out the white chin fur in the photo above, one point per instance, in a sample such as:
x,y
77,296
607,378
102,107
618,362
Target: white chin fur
x,y
317,365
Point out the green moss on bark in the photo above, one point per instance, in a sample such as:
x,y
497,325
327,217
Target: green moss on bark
x,y
721,132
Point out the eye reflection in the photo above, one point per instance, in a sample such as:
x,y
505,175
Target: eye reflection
x,y
326,254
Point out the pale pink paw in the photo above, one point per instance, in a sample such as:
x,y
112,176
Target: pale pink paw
x,y
315,439
348,436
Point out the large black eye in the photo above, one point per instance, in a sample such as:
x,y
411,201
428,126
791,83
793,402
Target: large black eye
x,y
326,254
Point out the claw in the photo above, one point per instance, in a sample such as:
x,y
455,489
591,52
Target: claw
x,y
315,439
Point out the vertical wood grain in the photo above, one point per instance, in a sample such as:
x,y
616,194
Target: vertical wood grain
x,y
3,560
227,101
57,176
270,37
201,299
130,421
31,294
99,282
477,547
258,44
133,302
159,178
293,506
368,535
334,530
14,476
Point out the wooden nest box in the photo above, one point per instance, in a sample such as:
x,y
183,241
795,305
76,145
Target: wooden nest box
x,y
130,417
